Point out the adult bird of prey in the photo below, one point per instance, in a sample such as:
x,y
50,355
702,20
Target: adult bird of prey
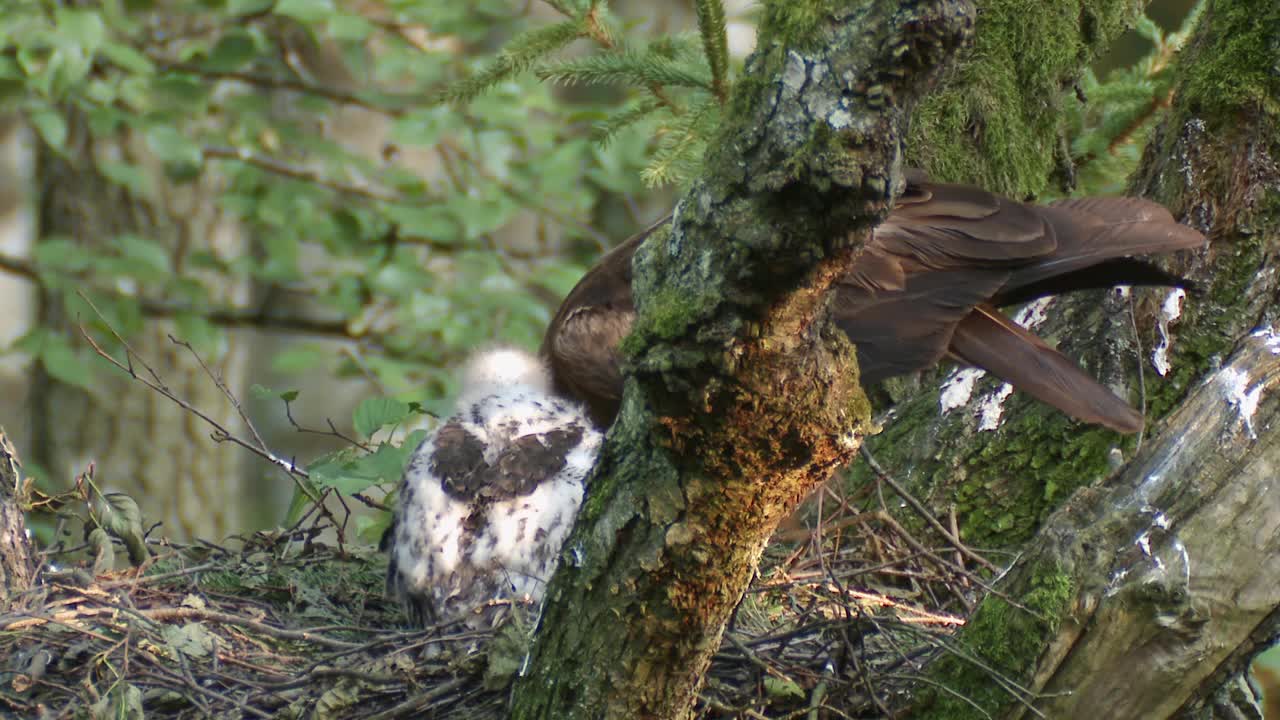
x,y
489,497
926,287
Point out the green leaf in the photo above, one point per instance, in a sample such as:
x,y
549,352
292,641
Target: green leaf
x,y
247,7
480,215
234,50
180,92
82,29
388,461
52,127
371,529
300,501
144,252
119,515
64,73
174,149
375,413
123,702
192,639
431,222
352,475
64,254
349,28
307,11
126,57
63,364
127,175
423,126
782,689
282,258
343,477
411,443
104,555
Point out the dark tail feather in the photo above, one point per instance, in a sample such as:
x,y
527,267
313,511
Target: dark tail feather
x,y
991,341
1121,271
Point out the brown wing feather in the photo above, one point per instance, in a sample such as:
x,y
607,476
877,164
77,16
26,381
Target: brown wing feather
x,y
989,340
531,460
899,332
916,291
458,460
960,225
933,260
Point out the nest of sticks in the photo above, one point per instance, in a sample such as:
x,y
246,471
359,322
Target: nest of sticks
x,y
846,611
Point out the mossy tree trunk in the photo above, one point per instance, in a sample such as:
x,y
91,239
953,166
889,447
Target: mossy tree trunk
x,y
741,397
999,123
1155,583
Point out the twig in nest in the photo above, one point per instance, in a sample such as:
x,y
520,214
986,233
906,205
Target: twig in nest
x,y
415,705
923,512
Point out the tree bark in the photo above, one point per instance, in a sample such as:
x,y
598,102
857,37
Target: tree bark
x,y
741,396
17,563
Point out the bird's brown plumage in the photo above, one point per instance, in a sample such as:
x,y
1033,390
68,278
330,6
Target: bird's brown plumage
x,y
926,287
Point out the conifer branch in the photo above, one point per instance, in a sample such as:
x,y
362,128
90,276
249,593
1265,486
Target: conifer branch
x,y
645,68
681,146
600,32
715,45
607,130
519,55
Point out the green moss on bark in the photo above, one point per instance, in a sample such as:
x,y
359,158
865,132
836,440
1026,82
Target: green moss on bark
x,y
998,122
1001,488
1001,638
797,24
1237,66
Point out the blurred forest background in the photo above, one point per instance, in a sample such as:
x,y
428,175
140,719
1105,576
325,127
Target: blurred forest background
x,y
296,218
330,204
